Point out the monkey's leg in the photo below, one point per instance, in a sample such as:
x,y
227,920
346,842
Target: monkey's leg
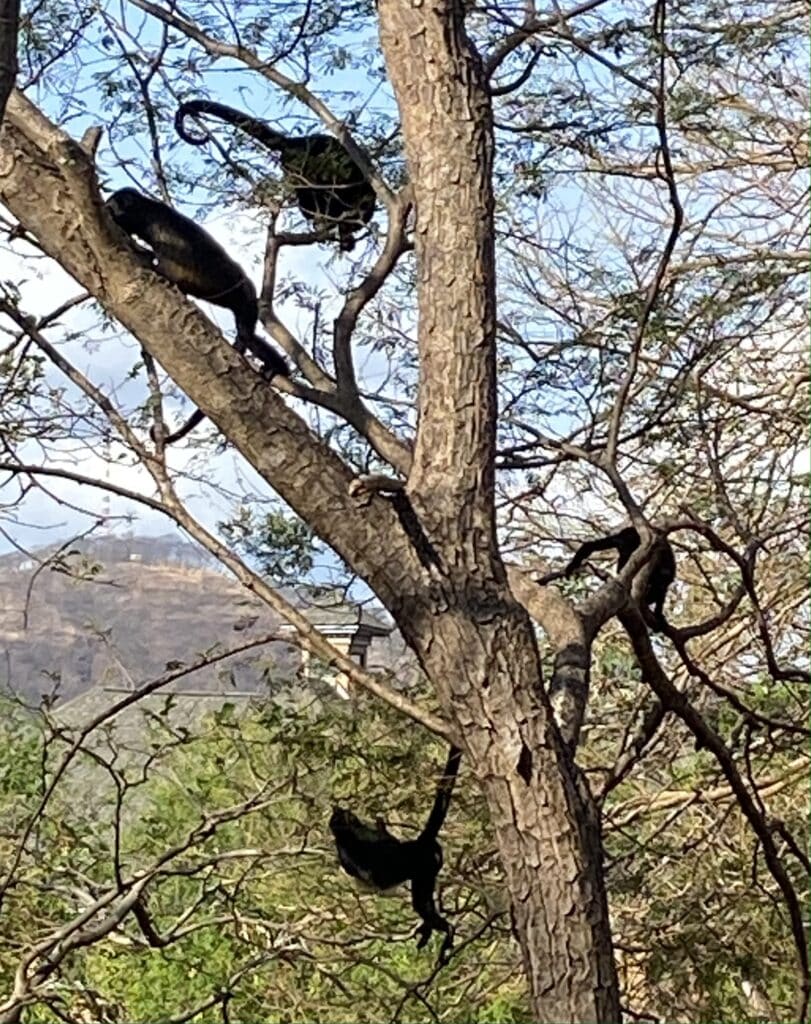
x,y
422,900
273,364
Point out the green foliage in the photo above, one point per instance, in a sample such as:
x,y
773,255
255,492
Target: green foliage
x,y
281,545
228,815
681,858
255,905
20,766
250,890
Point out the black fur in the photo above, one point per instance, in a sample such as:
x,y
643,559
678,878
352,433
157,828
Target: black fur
x,y
662,567
377,858
330,188
186,255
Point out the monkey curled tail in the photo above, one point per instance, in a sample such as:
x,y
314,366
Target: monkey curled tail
x,y
330,188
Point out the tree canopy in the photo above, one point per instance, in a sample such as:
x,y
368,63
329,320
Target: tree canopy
x,y
580,304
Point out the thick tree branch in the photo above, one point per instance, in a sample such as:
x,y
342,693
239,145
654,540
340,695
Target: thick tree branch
x,y
359,297
47,182
310,638
569,685
472,637
342,396
172,507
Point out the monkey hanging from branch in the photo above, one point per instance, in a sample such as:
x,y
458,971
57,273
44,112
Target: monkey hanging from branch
x,y
330,188
183,253
376,858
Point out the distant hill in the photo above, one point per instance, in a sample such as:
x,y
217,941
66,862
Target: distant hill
x,y
152,601
166,550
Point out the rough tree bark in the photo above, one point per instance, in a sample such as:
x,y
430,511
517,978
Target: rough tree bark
x,y
473,639
438,569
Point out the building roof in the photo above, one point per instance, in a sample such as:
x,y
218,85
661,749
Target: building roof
x,y
343,619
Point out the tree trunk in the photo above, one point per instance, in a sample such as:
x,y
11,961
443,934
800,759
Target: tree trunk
x,y
434,560
483,658
473,639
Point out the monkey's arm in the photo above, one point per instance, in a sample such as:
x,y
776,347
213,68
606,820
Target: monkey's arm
x,y
442,798
586,550
145,256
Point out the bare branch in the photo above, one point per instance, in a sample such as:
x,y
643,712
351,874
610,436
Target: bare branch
x,y
653,289
677,702
531,27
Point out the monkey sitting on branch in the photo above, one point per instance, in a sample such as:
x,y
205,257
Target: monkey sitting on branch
x,y
183,253
661,573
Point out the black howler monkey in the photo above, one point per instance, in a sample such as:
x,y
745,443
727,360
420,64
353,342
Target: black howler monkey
x,y
377,858
186,255
330,188
662,567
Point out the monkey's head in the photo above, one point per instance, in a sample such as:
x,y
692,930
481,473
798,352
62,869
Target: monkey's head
x,y
126,207
343,820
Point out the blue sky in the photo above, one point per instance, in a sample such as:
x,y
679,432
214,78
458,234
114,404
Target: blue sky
x,y
106,361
